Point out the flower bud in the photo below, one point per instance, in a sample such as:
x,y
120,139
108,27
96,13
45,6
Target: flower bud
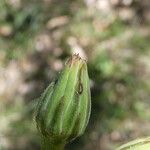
x,y
64,107
140,144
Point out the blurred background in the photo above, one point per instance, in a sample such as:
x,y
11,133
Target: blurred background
x,y
36,38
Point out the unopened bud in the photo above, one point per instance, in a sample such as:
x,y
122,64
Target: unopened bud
x,y
64,107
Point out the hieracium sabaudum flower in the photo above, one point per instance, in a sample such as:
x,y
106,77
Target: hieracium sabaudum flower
x,y
64,107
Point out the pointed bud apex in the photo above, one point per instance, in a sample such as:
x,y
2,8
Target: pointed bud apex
x,y
64,107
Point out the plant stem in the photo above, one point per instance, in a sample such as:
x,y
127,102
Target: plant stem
x,y
48,144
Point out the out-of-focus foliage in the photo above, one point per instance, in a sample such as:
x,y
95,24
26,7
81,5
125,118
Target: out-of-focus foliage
x,y
37,36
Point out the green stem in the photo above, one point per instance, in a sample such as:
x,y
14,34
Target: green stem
x,y
48,144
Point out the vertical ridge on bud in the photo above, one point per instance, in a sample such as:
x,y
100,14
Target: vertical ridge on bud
x,y
70,90
71,117
42,106
86,95
59,88
64,108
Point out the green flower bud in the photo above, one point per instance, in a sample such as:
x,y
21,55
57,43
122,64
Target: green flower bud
x,y
64,107
140,144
